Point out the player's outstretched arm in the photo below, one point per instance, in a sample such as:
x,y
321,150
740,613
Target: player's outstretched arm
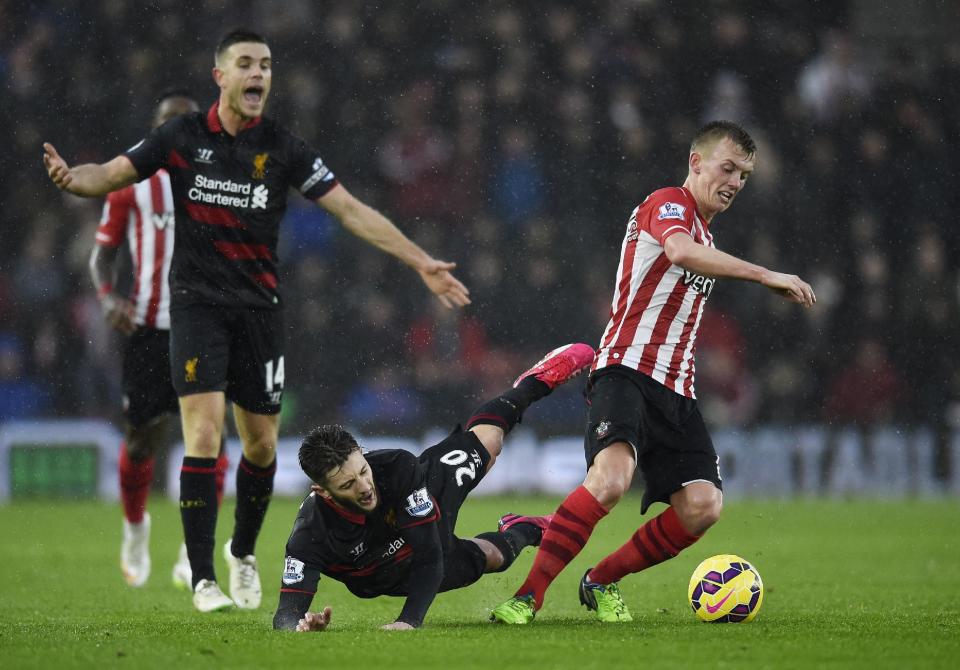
x,y
370,225
682,250
426,574
90,179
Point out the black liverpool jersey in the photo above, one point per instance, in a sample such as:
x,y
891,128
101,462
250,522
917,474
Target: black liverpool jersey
x,y
365,552
230,194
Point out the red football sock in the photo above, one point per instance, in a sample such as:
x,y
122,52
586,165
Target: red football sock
x,y
562,541
135,480
656,541
220,474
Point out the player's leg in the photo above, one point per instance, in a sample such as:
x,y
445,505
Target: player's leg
x,y
514,533
612,428
146,367
199,351
497,417
680,468
256,377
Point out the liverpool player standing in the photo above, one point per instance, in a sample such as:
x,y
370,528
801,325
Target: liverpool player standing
x,y
143,215
230,170
383,522
643,410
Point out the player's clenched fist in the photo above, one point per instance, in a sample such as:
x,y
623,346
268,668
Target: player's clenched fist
x,y
314,621
57,168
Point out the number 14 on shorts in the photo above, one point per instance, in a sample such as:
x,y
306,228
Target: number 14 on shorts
x,y
274,376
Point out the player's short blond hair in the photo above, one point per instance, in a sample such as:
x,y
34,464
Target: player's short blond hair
x,y
715,131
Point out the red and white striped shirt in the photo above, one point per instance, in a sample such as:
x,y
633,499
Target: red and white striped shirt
x,y
144,213
657,305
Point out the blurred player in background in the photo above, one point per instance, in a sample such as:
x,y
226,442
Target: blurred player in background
x,y
143,215
230,173
643,410
382,522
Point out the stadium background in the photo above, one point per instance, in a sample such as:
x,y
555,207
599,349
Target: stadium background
x,y
515,138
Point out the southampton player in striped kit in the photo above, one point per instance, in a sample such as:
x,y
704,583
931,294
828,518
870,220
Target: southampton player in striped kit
x,y
643,409
142,215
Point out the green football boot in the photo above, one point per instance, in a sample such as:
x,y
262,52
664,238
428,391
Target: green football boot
x,y
519,609
604,599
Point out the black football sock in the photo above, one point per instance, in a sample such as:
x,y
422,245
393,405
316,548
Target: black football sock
x,y
512,541
254,490
198,511
506,410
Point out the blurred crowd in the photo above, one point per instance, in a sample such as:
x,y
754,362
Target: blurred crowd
x,y
515,139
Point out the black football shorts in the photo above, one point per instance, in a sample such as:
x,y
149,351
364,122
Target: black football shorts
x,y
236,350
454,468
666,429
147,391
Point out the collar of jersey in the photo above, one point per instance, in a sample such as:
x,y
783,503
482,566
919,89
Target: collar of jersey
x,y
213,120
696,209
353,517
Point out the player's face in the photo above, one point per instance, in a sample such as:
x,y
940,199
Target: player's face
x,y
243,74
718,175
351,486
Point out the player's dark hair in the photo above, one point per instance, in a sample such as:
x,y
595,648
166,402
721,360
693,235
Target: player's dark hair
x,y
173,92
325,448
717,130
235,37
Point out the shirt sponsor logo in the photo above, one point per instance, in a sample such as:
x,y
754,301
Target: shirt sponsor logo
x,y
292,571
228,193
671,210
699,283
320,173
419,503
162,221
260,194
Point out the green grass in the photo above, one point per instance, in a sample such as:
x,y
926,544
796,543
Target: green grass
x,y
860,584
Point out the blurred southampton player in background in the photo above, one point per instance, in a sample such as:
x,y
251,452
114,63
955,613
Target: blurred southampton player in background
x,y
643,410
143,215
230,173
382,522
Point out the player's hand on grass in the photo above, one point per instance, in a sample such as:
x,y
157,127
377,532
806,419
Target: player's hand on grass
x,y
791,287
397,625
314,621
57,168
119,313
451,292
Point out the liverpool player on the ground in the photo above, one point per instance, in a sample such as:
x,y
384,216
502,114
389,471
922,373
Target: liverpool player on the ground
x,y
383,522
230,170
643,411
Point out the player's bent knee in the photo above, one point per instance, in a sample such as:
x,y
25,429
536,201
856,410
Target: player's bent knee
x,y
699,508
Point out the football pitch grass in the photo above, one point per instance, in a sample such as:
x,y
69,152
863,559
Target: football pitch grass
x,y
849,584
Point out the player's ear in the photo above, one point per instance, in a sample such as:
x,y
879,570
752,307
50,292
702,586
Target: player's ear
x,y
218,76
319,490
695,162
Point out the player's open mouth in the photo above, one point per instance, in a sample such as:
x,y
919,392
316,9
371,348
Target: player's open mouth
x,y
725,196
366,500
253,94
